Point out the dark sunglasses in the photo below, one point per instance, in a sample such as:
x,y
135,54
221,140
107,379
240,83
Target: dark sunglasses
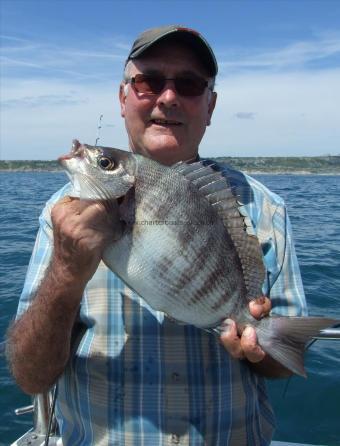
x,y
154,84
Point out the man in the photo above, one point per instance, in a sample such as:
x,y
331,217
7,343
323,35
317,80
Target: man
x,y
126,373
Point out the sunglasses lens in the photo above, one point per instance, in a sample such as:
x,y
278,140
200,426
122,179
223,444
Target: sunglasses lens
x,y
185,86
190,86
149,84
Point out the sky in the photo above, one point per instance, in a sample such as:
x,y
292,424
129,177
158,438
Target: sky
x,y
278,84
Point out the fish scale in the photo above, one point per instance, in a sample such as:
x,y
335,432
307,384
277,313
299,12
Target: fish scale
x,y
188,248
194,244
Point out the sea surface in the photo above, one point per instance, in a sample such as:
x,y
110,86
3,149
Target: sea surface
x,y
310,410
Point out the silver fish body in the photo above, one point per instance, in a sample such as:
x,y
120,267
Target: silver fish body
x,y
188,248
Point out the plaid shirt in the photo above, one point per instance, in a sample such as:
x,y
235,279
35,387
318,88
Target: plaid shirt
x,y
136,378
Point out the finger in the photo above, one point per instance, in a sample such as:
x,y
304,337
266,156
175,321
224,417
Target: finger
x,y
230,339
96,211
260,307
108,223
77,206
251,349
61,209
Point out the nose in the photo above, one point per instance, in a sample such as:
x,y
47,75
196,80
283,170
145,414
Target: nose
x,y
168,97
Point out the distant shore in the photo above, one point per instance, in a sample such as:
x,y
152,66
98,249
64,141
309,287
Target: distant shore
x,y
318,165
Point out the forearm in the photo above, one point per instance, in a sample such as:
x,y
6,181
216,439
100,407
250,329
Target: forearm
x,y
39,342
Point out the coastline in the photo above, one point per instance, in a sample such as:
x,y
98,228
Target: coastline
x,y
246,171
317,165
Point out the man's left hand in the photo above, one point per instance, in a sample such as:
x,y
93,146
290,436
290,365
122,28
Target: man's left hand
x,y
246,346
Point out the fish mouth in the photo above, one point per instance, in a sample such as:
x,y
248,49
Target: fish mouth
x,y
77,151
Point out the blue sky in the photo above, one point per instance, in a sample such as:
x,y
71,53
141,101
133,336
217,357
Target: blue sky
x,y
278,84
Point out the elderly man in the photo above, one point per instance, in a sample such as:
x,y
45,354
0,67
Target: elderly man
x,y
126,374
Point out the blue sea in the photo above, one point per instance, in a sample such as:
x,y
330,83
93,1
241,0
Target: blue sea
x,y
310,410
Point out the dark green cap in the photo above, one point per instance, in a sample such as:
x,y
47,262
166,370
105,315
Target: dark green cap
x,y
176,33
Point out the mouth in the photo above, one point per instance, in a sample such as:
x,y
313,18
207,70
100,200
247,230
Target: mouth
x,y
77,151
166,122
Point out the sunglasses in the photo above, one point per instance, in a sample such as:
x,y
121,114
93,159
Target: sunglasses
x,y
154,84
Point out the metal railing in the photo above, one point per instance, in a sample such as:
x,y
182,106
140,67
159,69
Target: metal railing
x,y
329,333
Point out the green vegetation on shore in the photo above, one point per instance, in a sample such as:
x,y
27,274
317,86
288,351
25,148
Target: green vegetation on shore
x,y
291,164
29,165
314,164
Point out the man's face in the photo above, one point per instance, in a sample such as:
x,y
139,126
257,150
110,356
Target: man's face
x,y
167,127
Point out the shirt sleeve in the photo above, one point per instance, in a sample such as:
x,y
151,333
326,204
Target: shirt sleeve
x,y
284,281
41,254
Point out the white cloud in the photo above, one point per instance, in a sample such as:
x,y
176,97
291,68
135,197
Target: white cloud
x,y
295,55
44,130
269,103
296,114
244,115
88,61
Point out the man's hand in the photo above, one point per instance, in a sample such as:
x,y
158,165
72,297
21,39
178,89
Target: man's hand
x,y
246,346
82,229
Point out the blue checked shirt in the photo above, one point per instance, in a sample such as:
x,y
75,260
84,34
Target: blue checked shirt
x,y
135,378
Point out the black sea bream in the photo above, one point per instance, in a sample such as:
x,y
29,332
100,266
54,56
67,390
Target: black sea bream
x,y
188,248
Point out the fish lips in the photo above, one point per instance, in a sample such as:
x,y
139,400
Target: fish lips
x,y
77,151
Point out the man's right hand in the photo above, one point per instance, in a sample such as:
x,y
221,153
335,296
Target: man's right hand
x,y
82,229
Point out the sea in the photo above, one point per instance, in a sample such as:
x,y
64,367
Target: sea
x,y
307,410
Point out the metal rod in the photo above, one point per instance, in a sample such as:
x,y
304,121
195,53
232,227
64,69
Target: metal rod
x,y
329,334
52,420
24,410
99,126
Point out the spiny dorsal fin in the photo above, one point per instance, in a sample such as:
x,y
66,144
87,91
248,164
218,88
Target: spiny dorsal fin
x,y
214,187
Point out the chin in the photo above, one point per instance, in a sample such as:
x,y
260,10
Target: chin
x,y
168,155
163,150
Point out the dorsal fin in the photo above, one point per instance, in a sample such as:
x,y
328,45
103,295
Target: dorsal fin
x,y
215,188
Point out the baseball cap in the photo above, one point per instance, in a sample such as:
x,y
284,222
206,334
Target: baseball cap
x,y
176,33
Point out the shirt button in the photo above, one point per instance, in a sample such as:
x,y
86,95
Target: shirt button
x,y
175,377
175,439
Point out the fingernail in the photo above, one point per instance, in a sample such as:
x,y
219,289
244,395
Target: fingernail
x,y
226,325
248,332
260,300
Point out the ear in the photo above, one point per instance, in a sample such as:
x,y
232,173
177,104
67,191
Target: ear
x,y
122,98
211,106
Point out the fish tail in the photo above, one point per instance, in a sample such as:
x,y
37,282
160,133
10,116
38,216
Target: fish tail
x,y
284,338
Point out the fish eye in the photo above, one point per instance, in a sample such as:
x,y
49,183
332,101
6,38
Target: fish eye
x,y
105,163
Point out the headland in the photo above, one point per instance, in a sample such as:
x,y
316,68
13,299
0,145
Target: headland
x,y
317,165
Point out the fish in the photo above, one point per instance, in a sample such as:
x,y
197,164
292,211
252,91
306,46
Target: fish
x,y
188,247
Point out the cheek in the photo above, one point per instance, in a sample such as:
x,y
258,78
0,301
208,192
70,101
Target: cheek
x,y
198,112
136,109
135,117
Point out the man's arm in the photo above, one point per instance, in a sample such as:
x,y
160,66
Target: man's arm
x,y
39,342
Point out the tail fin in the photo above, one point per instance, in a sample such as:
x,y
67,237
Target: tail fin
x,y
284,338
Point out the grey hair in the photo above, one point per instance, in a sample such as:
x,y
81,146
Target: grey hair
x,y
127,71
